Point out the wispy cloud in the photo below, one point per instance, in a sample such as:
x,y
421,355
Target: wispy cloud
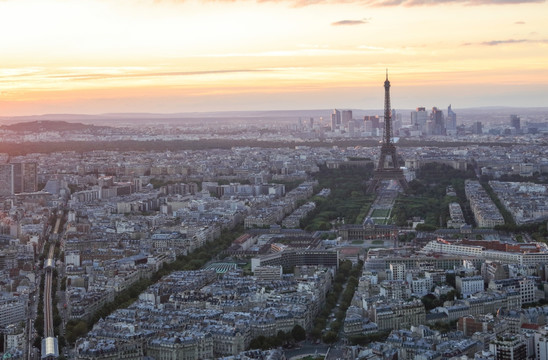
x,y
350,22
410,3
507,42
519,23
316,51
97,76
512,41
46,78
378,3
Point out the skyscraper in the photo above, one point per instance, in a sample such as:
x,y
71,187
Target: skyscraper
x,y
477,128
6,179
515,122
29,177
451,119
335,120
418,119
371,123
346,117
17,178
438,123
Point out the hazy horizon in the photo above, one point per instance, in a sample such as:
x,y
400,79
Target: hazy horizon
x,y
264,112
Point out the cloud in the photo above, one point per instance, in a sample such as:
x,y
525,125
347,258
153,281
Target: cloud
x,y
507,42
350,22
519,23
375,3
501,42
114,75
512,41
410,3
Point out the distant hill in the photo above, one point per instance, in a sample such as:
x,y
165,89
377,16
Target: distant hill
x,y
45,126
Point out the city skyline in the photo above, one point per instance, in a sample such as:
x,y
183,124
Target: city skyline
x,y
182,56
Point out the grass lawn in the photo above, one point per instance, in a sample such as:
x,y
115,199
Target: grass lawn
x,y
380,213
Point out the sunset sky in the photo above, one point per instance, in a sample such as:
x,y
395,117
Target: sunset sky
x,y
165,56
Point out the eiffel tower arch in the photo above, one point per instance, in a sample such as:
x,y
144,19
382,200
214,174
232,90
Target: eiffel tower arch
x,y
387,168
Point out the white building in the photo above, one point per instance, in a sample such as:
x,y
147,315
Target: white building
x,y
421,286
469,285
12,311
527,289
445,247
268,273
397,271
14,337
72,258
541,344
395,289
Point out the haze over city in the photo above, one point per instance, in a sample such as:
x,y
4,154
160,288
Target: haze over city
x,y
274,179
174,56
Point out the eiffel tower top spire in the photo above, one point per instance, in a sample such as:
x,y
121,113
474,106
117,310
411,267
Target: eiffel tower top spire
x,y
387,112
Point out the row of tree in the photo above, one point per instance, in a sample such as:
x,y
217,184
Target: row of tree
x,y
344,274
508,218
204,144
345,300
281,339
193,261
538,230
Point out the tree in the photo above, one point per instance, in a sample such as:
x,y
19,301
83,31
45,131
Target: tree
x,y
283,337
316,333
330,337
450,279
298,333
425,227
368,338
444,327
62,341
416,187
430,302
451,295
257,343
75,329
39,324
57,320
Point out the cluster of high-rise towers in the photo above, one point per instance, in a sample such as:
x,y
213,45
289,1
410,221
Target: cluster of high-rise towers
x,y
16,178
423,122
434,123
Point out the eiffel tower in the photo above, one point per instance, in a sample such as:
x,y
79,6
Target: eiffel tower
x,y
388,168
